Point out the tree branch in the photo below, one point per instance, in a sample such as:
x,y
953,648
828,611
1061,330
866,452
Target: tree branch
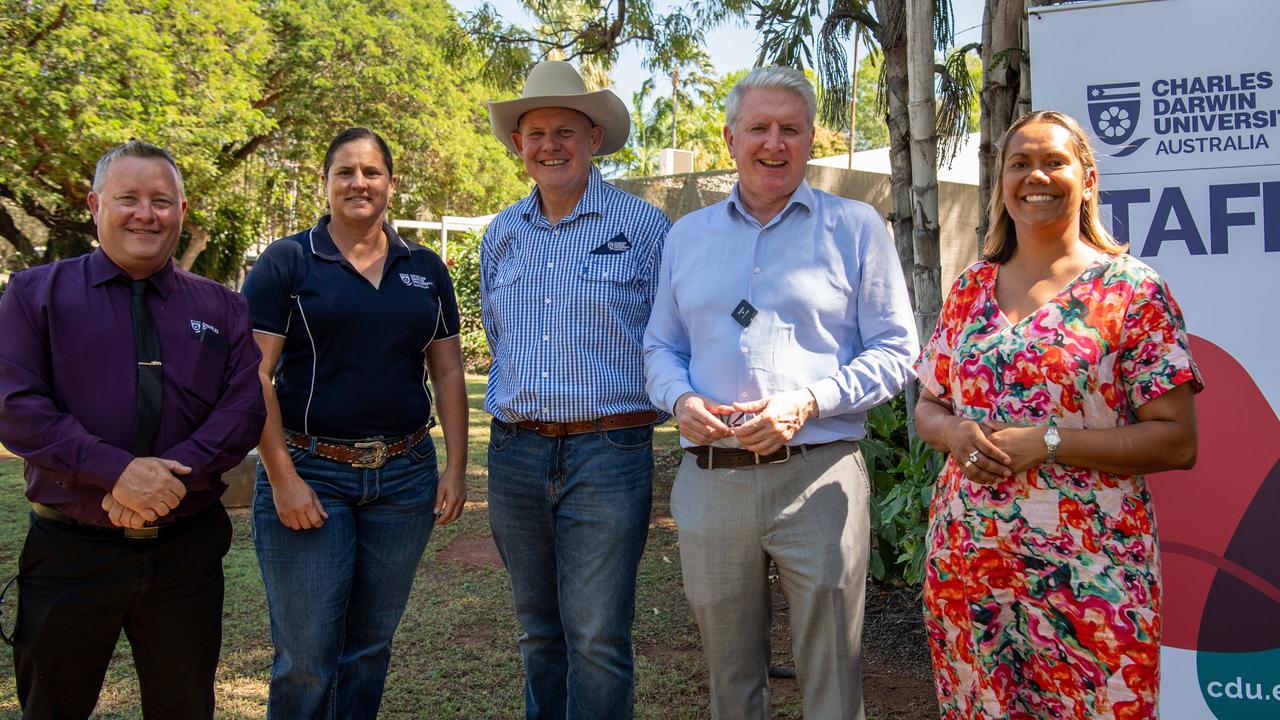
x,y
53,25
9,230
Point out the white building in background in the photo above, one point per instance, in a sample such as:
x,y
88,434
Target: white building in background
x,y
672,161
962,170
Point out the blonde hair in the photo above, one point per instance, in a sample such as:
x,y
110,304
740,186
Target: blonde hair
x,y
1001,240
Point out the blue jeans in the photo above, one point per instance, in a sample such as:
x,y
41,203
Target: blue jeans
x,y
336,593
570,517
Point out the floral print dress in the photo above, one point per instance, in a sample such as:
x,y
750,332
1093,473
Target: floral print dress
x,y
1042,591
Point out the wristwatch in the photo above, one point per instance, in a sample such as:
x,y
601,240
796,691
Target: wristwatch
x,y
1051,441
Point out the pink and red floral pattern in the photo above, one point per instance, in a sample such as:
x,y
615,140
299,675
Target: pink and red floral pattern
x,y
1042,592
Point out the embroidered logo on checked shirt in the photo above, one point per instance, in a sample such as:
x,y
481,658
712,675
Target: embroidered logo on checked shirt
x,y
417,281
616,244
200,326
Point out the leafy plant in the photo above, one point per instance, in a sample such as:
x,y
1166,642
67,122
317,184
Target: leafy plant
x,y
903,470
464,268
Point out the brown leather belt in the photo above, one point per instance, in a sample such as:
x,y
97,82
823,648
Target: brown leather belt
x,y
710,458
608,422
55,515
369,453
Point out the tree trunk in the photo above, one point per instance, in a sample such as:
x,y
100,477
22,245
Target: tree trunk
x,y
926,273
199,241
1002,63
891,36
10,231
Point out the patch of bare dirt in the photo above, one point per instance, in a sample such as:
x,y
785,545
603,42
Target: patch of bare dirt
x,y
471,550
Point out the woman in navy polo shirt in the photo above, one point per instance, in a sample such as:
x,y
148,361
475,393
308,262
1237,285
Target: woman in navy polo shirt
x,y
347,489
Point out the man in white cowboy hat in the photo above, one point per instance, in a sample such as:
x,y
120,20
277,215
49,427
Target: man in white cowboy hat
x,y
771,371
567,280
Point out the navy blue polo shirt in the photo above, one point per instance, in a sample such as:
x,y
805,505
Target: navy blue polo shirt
x,y
353,364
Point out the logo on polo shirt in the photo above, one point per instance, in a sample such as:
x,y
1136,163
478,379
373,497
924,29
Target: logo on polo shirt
x,y
417,281
200,326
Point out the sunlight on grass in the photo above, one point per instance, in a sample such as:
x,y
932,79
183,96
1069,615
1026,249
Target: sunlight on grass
x,y
456,653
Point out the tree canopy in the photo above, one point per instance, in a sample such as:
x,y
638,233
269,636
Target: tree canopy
x,y
246,95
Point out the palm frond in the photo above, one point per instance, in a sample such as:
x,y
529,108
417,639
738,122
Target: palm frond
x,y
956,91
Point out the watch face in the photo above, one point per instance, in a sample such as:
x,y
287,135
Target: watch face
x,y
1051,437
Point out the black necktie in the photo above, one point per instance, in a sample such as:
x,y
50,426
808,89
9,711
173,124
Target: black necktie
x,y
146,343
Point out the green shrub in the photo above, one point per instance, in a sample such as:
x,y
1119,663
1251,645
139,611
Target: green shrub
x,y
464,268
903,470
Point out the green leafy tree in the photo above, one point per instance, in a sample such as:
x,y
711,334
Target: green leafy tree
x,y
78,77
246,95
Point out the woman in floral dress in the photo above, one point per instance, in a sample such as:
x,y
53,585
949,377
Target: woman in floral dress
x,y
1058,375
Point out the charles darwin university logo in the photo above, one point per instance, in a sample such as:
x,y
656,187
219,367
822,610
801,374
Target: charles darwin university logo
x,y
1114,109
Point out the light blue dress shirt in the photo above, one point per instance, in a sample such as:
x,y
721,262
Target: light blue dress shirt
x,y
564,307
834,316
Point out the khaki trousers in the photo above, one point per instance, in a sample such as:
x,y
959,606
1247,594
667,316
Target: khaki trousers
x,y
810,516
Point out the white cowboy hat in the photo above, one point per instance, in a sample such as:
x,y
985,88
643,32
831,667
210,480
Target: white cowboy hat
x,y
552,83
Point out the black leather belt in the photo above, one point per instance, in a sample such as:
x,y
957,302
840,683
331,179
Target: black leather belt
x,y
369,453
54,515
710,458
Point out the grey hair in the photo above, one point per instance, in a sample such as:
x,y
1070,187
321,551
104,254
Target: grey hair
x,y
136,149
771,78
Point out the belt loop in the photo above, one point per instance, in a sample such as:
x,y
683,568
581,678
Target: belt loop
x,y
711,464
311,448
804,452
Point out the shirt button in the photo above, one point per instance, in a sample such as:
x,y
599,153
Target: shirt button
x,y
744,396
555,233
545,411
744,350
756,270
550,265
605,275
544,373
546,338
547,301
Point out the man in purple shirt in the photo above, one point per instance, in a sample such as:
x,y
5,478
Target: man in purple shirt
x,y
125,443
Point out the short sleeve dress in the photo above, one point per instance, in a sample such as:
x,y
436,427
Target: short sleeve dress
x,y
1042,592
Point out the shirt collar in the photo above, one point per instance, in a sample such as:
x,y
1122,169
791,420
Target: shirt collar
x,y
802,196
102,270
322,245
592,200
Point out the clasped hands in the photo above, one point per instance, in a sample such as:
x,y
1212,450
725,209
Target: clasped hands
x,y
777,419
148,489
992,451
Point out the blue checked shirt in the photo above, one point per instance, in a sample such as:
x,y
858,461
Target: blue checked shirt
x,y
833,312
565,307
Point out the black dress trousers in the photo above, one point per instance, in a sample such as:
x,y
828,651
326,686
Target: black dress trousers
x,y
80,586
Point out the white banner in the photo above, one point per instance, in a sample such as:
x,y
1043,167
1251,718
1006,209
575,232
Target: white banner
x,y
1183,100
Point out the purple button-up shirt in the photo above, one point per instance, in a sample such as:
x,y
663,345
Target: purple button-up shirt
x,y
68,381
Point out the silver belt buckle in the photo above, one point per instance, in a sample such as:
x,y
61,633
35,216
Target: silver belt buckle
x,y
378,452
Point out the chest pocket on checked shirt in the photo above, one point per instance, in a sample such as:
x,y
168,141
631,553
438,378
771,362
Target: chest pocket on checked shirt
x,y
507,273
617,269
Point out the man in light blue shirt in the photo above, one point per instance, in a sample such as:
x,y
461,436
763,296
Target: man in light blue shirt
x,y
567,281
781,318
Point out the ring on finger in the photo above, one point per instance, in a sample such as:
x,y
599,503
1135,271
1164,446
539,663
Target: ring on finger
x,y
973,457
